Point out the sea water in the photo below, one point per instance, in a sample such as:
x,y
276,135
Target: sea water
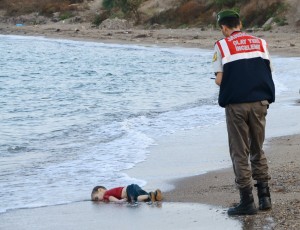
x,y
76,114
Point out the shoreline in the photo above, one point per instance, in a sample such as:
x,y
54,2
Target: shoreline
x,y
281,41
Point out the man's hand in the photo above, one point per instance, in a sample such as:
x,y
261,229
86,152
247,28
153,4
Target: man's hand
x,y
219,77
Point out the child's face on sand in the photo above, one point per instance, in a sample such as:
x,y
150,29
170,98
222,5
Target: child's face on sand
x,y
98,196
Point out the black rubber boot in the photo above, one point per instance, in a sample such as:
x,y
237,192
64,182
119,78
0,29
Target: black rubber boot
x,y
264,196
246,205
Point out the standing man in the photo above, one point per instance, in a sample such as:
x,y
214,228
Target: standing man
x,y
242,67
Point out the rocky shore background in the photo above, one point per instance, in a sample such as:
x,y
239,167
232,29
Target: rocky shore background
x,y
151,14
171,22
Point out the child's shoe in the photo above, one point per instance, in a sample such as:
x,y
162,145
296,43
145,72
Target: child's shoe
x,y
158,195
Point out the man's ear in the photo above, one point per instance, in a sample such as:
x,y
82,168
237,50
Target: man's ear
x,y
224,27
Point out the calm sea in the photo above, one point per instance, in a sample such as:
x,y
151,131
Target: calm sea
x,y
74,114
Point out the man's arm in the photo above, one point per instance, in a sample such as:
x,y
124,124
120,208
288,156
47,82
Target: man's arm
x,y
219,77
217,65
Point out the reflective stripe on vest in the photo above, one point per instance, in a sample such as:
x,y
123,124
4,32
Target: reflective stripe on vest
x,y
242,46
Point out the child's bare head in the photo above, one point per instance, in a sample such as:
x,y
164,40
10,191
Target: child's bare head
x,y
97,193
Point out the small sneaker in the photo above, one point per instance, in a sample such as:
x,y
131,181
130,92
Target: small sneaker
x,y
158,195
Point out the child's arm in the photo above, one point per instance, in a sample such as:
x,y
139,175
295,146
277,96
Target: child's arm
x,y
114,199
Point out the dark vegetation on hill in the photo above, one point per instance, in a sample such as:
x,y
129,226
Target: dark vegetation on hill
x,y
180,14
44,7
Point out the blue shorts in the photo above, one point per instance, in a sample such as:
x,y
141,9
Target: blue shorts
x,y
133,191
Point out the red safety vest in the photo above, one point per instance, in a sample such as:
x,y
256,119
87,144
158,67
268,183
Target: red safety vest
x,y
242,46
247,75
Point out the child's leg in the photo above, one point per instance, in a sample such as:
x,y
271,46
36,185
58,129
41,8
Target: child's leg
x,y
131,193
136,193
143,195
143,198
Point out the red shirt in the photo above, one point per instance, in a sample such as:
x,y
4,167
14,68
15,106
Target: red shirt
x,y
115,192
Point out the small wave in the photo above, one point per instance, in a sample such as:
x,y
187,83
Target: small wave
x,y
111,137
181,108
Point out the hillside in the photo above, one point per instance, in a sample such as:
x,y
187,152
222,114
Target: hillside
x,y
149,13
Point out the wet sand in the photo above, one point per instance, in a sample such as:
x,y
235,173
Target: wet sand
x,y
88,215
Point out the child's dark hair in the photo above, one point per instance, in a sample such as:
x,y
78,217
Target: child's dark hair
x,y
95,189
230,22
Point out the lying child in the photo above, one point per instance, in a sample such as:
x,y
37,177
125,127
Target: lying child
x,y
130,193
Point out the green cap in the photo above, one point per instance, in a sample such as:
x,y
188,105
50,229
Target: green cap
x,y
227,14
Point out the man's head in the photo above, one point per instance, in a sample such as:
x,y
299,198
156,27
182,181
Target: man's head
x,y
98,193
228,20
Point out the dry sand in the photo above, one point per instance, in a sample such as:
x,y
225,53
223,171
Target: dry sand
x,y
215,188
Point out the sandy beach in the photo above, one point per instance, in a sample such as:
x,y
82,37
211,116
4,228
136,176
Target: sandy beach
x,y
217,188
191,202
